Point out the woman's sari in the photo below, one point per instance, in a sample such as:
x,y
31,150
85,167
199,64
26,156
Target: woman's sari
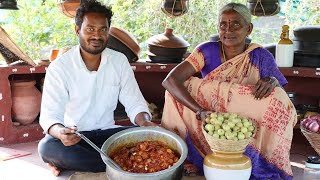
x,y
228,88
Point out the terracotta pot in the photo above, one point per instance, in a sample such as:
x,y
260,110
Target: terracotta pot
x,y
227,165
121,40
264,1
307,33
26,100
307,46
168,40
167,47
174,8
168,52
264,8
165,59
53,54
69,7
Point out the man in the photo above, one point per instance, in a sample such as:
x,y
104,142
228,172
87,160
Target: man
x,y
81,92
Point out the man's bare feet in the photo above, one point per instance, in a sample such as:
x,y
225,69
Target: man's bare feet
x,y
55,171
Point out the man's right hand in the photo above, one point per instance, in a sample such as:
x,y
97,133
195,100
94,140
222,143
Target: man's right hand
x,y
66,135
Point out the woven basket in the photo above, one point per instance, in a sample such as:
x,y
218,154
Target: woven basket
x,y
225,145
312,137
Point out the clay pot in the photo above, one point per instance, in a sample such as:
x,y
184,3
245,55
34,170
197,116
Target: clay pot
x,y
307,46
69,7
53,54
167,47
264,8
174,8
227,165
307,33
168,40
26,100
121,40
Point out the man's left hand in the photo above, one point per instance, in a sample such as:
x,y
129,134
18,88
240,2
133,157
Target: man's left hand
x,y
143,119
264,87
148,123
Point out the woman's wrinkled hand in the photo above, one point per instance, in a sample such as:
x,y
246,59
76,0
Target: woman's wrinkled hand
x,y
68,136
204,114
264,87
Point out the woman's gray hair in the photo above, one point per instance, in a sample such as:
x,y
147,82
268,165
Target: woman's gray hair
x,y
239,8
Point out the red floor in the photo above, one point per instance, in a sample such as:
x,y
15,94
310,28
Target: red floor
x,y
31,167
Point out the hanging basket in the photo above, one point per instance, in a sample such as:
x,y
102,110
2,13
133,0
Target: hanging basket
x,y
69,8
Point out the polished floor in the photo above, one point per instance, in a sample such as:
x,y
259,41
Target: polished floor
x,y
31,167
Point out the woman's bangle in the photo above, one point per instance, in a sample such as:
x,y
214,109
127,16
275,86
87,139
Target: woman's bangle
x,y
198,113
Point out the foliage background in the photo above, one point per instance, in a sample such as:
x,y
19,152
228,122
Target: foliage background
x,y
38,26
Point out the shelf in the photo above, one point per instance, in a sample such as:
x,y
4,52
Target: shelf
x,y
8,132
151,67
288,72
22,69
149,76
301,72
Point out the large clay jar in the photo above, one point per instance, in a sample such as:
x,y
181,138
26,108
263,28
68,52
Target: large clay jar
x,y
26,100
227,165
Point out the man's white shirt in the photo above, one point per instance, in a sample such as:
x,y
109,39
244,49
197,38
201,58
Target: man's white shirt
x,y
74,96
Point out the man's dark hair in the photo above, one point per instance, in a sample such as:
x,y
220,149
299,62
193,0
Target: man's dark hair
x,y
92,6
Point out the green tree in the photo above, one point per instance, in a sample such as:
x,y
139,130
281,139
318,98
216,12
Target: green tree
x,y
144,18
39,25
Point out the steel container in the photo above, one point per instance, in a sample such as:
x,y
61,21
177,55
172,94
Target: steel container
x,y
138,134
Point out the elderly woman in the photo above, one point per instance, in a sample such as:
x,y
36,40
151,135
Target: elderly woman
x,y
236,77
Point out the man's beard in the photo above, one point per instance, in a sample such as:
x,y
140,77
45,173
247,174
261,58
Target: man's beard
x,y
92,51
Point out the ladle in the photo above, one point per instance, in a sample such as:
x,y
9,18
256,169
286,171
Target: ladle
x,y
97,149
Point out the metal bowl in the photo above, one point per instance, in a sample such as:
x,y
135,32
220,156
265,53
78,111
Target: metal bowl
x,y
138,134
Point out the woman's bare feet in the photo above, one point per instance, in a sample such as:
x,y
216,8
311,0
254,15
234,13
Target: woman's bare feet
x,y
55,171
190,169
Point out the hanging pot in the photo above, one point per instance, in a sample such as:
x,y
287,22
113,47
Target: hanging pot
x,y
26,100
264,1
264,8
174,8
69,7
9,4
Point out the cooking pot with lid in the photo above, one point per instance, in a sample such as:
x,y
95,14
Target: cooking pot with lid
x,y
308,33
167,47
139,134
